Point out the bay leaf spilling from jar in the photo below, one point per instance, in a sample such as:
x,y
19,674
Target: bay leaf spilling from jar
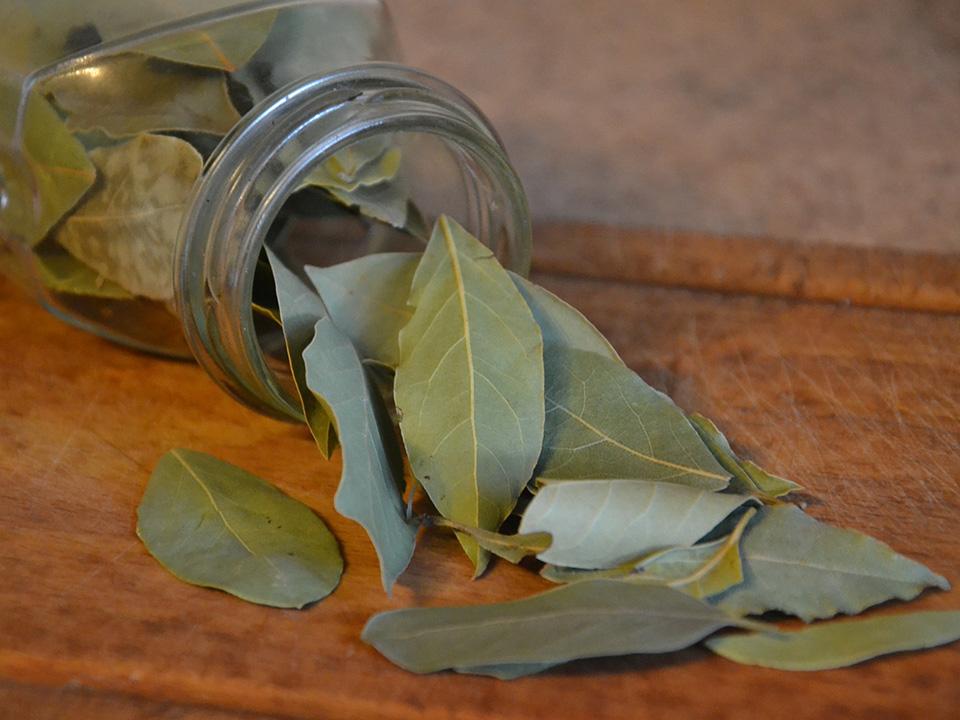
x,y
443,376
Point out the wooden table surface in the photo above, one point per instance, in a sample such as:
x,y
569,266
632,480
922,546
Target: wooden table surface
x,y
838,368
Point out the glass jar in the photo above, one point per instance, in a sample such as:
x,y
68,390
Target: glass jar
x,y
150,150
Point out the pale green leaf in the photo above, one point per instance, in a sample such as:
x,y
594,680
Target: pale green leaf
x,y
747,477
369,490
796,565
215,525
599,524
60,169
594,618
61,272
562,324
469,386
367,299
128,94
604,421
840,644
225,45
512,548
300,309
126,229
699,570
366,162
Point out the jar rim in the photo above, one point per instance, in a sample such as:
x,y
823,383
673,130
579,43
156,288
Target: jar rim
x,y
243,187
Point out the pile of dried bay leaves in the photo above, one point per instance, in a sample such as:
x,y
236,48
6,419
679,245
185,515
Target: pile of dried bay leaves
x,y
508,402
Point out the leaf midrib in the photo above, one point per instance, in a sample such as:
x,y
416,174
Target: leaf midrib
x,y
213,501
462,298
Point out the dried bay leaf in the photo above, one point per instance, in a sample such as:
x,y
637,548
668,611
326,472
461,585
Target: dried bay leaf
x,y
604,421
61,272
802,567
58,163
598,524
469,385
562,324
512,548
842,643
128,94
594,618
369,490
700,570
225,45
367,299
126,229
747,477
212,524
300,309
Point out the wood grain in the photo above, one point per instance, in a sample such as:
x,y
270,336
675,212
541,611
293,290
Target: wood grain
x,y
860,405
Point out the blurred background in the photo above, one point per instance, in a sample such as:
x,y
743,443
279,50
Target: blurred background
x,y
823,121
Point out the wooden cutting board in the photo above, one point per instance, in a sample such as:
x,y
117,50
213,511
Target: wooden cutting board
x,y
837,368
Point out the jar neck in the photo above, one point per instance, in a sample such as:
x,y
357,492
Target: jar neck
x,y
267,157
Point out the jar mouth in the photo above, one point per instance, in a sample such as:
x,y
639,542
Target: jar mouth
x,y
268,155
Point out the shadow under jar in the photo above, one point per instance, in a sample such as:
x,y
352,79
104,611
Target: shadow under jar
x,y
150,150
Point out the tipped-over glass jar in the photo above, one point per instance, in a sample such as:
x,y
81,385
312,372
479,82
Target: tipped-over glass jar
x,y
150,150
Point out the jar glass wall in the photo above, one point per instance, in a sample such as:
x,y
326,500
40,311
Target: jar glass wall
x,y
150,149
108,111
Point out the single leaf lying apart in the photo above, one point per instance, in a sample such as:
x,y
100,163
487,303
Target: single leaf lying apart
x,y
604,421
300,309
842,643
367,299
747,477
225,45
129,94
585,619
604,523
796,565
126,229
561,324
469,386
369,490
215,525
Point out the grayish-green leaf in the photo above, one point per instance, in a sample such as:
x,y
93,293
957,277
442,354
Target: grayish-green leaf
x,y
796,565
225,45
604,523
63,273
126,229
604,421
469,386
593,618
300,309
747,476
311,38
387,202
129,94
512,548
840,644
562,324
369,490
215,525
367,299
